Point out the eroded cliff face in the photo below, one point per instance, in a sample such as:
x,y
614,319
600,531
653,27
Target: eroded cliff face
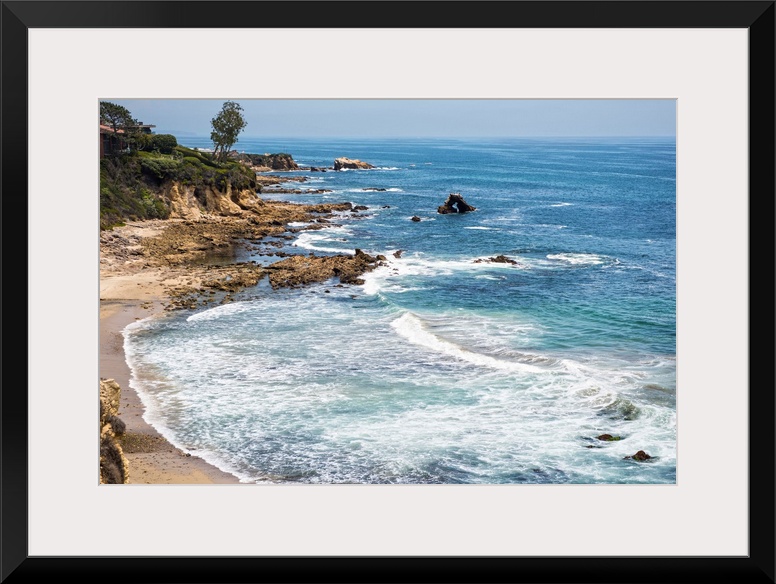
x,y
183,204
114,468
191,202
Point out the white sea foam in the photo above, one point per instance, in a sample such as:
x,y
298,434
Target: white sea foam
x,y
481,228
318,241
411,328
561,205
488,277
371,190
587,259
231,309
410,265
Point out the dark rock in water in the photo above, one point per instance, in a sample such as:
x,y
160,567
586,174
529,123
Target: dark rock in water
x,y
608,438
374,189
640,456
360,208
397,253
381,258
415,218
455,204
386,207
499,259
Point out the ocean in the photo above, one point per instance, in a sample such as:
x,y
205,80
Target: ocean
x,y
443,369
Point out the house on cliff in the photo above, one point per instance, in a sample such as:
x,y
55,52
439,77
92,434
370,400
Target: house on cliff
x,y
111,141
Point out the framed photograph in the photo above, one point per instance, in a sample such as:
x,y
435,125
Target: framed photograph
x,y
507,257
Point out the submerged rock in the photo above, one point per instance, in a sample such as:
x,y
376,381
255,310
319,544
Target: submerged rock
x,y
608,438
455,204
640,456
499,259
415,218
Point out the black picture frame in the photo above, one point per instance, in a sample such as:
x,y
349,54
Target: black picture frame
x,y
755,16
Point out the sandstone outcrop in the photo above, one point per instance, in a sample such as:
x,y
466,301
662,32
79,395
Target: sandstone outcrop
x,y
114,468
191,202
455,204
342,163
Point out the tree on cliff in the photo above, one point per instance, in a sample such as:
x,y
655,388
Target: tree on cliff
x,y
120,120
227,125
117,117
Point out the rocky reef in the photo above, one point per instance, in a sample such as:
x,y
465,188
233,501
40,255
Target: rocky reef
x,y
499,259
300,270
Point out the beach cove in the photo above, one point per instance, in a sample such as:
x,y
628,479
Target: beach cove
x,y
147,268
529,340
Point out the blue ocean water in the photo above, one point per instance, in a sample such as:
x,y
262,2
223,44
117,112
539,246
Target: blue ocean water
x,y
442,369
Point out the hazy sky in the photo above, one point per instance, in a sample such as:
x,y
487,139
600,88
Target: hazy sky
x,y
414,117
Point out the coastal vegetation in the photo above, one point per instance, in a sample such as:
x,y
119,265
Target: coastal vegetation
x,y
132,185
227,125
138,170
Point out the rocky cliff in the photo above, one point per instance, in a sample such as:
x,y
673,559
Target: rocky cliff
x,y
187,201
185,185
114,468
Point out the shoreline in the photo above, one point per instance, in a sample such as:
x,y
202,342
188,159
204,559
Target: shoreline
x,y
152,458
147,267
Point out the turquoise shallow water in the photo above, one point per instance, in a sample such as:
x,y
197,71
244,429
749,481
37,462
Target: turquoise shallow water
x,y
440,369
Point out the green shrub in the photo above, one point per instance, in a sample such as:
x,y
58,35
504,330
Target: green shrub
x,y
203,157
160,167
193,160
164,143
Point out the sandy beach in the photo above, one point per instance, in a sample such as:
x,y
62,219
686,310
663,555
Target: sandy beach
x,y
152,459
131,290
